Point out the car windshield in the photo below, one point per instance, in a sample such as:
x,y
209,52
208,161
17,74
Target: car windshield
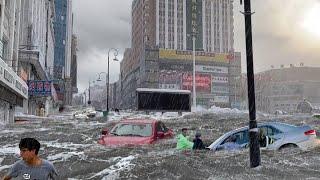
x,y
126,129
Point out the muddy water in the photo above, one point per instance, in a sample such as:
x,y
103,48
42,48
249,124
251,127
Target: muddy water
x,y
71,146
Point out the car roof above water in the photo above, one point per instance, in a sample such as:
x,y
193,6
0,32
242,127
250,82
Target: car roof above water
x,y
280,125
139,121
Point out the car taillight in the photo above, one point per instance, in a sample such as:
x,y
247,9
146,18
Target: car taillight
x,y
310,132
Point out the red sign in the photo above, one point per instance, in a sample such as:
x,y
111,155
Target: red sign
x,y
203,82
40,86
32,86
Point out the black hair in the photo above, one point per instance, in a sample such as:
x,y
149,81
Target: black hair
x,y
30,144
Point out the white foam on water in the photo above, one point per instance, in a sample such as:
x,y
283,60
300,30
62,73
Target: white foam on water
x,y
65,156
113,171
14,131
65,145
9,150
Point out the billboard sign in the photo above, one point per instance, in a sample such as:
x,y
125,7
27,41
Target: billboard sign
x,y
219,89
203,82
187,56
220,79
175,67
220,99
211,69
39,88
169,86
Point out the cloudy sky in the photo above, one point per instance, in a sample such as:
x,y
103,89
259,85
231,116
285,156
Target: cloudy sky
x,y
284,32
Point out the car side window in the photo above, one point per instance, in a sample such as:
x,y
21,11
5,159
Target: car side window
x,y
270,131
161,127
242,137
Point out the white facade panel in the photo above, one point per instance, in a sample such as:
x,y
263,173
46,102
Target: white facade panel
x,y
166,25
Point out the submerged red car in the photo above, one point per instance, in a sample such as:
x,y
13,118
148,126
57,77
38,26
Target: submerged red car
x,y
135,132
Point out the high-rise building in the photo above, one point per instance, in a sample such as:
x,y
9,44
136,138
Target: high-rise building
x,y
13,89
285,87
168,24
74,66
161,49
36,52
62,59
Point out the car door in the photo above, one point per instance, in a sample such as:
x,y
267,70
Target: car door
x,y
273,133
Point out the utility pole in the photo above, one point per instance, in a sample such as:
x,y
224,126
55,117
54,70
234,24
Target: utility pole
x,y
89,101
194,31
255,159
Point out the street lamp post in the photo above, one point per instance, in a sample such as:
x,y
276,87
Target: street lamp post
x,y
194,32
99,79
194,71
89,101
255,159
115,59
85,97
236,90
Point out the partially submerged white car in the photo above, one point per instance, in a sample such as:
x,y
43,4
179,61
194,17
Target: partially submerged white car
x,y
284,136
85,114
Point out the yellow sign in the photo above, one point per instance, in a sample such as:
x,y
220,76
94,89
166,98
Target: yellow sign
x,y
187,55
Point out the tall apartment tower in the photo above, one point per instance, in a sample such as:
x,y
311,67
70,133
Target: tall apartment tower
x,y
36,51
167,24
62,57
74,63
162,33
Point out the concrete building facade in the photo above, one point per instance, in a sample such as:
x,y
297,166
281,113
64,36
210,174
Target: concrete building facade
x,y
284,88
74,64
161,49
13,89
36,50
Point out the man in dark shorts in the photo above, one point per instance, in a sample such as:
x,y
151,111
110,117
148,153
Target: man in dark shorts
x,y
31,166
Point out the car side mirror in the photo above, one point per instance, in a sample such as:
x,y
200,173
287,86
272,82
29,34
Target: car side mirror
x,y
104,132
160,134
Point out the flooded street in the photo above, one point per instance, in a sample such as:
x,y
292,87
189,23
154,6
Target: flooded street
x,y
72,146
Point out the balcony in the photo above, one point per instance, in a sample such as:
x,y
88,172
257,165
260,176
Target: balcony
x,y
32,57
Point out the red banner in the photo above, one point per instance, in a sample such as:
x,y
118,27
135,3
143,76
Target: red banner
x,y
203,82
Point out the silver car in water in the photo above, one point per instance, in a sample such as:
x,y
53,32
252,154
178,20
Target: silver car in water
x,y
284,135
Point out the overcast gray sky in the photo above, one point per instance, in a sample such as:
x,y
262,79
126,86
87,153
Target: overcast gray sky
x,y
284,32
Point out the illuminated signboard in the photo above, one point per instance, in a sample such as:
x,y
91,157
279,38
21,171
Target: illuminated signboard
x,y
203,82
39,88
211,69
